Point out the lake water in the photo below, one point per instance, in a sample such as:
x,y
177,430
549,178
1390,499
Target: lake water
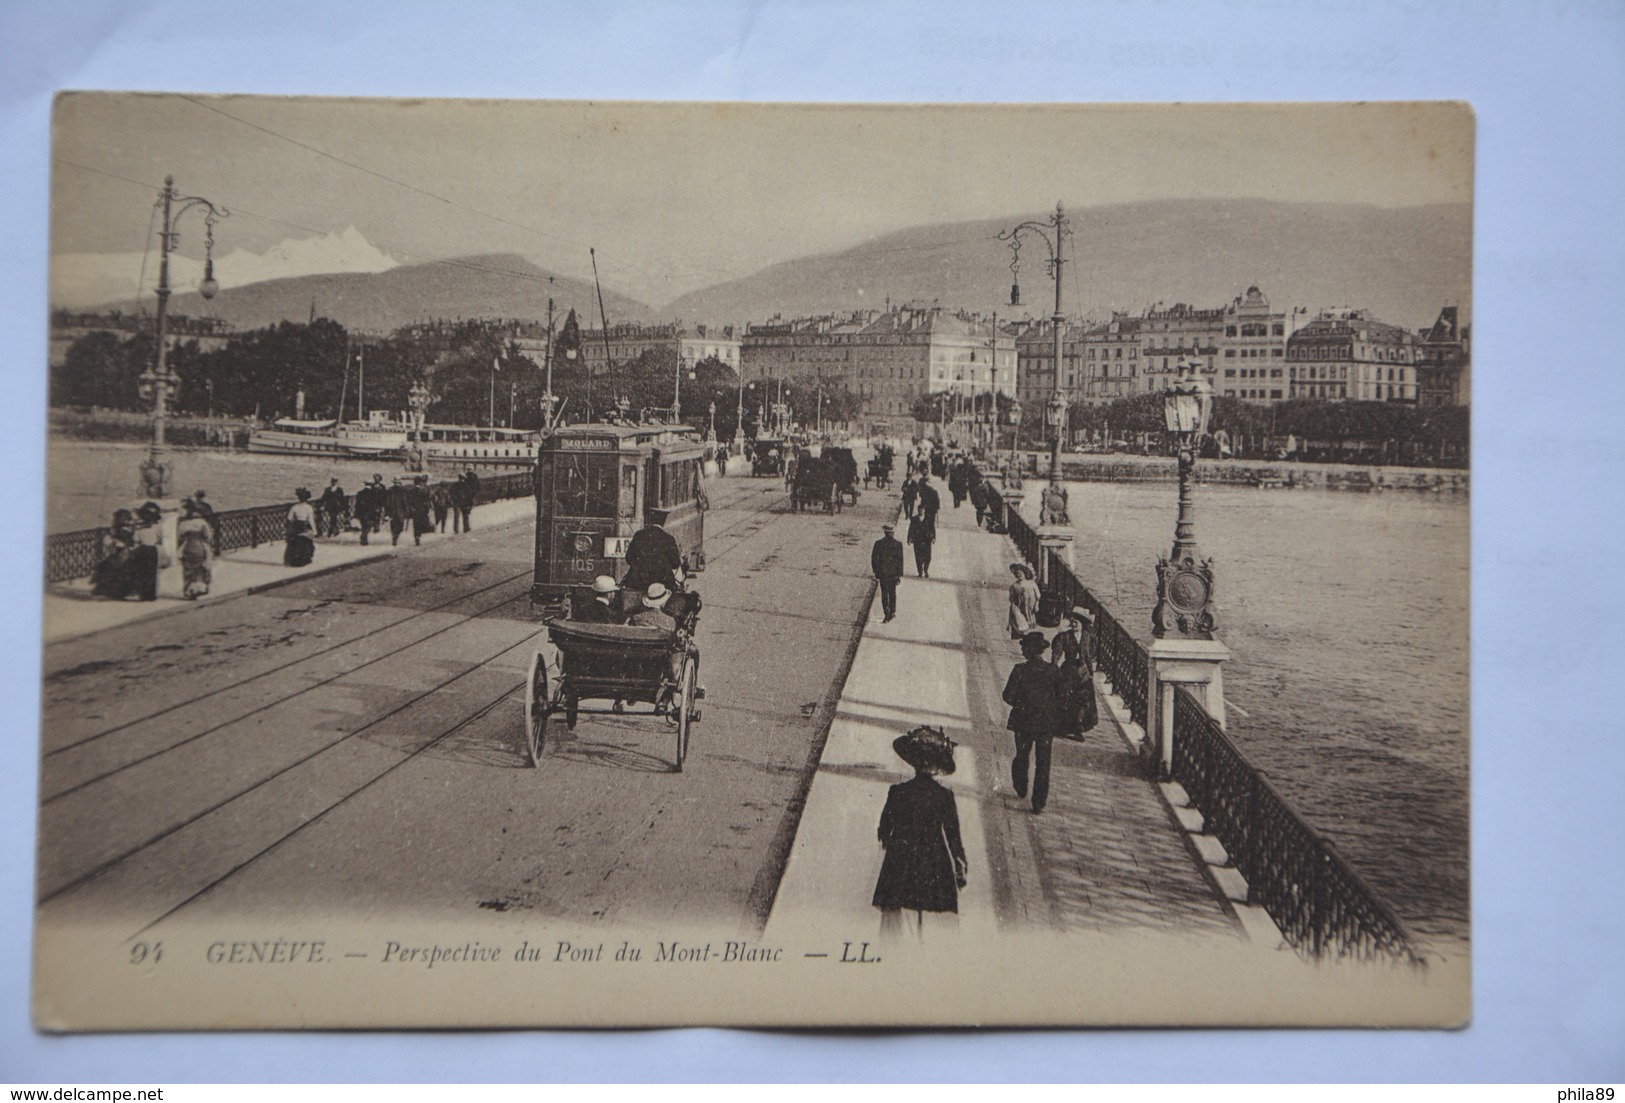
x,y
86,481
1347,614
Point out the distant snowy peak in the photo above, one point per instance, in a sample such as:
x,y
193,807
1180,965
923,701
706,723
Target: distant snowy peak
x,y
88,279
349,251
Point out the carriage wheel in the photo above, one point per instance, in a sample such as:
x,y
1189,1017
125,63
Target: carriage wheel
x,y
685,706
536,708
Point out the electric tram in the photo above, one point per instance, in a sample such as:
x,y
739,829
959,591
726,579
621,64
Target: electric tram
x,y
596,486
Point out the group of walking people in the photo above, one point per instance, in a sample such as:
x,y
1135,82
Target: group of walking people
x,y
1050,694
133,551
426,508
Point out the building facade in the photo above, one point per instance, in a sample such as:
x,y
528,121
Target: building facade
x,y
1253,347
1347,355
1175,335
1111,360
888,359
627,342
1444,362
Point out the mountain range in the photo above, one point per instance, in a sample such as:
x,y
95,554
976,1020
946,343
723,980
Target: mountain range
x,y
1401,263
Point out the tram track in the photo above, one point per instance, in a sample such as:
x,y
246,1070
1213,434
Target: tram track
x,y
283,669
101,868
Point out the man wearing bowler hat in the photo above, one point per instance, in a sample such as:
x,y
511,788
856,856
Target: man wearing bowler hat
x,y
886,560
1035,693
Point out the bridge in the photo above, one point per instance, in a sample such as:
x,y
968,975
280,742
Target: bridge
x,y
347,739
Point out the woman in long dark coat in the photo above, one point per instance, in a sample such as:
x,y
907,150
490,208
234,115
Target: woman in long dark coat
x,y
924,867
299,548
1074,652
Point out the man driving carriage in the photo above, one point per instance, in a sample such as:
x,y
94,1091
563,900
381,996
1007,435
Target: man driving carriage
x,y
652,556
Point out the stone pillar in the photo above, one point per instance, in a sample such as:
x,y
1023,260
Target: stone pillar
x,y
1198,666
1056,538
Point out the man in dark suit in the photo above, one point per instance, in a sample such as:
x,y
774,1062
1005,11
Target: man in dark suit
x,y
930,503
652,556
600,609
1035,693
398,509
886,560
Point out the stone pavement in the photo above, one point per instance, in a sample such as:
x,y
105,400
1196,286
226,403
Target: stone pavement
x,y
1107,856
70,610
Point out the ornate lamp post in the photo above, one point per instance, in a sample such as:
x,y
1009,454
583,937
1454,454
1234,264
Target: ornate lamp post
x,y
1012,469
417,398
1184,580
158,386
1053,232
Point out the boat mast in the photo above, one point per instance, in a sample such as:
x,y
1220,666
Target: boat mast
x,y
361,386
603,323
345,389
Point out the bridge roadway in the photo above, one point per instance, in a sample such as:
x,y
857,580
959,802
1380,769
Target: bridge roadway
x,y
351,743
354,741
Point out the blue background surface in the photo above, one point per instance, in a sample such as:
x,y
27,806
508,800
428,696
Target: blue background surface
x,y
1548,83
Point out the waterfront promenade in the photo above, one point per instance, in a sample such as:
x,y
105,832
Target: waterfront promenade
x,y
1111,855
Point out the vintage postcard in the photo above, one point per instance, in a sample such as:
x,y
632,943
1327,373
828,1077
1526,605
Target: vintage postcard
x,y
623,564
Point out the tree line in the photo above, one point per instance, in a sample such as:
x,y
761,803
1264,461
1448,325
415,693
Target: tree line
x,y
473,369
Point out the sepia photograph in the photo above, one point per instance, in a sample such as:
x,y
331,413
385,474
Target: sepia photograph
x,y
612,563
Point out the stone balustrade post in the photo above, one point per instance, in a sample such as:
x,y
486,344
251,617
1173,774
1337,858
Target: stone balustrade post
x,y
1198,665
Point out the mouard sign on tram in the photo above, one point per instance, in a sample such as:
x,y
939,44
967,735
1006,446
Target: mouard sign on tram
x,y
730,712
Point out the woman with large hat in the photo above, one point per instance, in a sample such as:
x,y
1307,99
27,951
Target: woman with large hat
x,y
924,867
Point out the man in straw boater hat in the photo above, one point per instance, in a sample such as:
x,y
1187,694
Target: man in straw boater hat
x,y
601,608
924,867
1036,694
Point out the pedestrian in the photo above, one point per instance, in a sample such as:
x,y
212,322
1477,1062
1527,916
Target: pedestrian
x,y
471,497
956,483
886,560
722,461
299,545
922,535
1073,654
417,504
1034,692
111,577
930,503
911,493
924,865
440,502
1024,597
978,499
149,556
331,509
200,502
194,540
397,509
369,506
462,501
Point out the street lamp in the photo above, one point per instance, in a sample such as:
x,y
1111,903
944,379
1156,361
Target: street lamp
x,y
1054,509
159,385
418,398
1184,581
1012,470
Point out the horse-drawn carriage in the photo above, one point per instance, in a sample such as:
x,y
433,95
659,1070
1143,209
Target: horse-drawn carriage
x,y
816,485
880,467
623,664
846,471
767,457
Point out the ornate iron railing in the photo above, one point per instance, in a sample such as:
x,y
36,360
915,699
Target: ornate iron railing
x,y
1321,905
70,555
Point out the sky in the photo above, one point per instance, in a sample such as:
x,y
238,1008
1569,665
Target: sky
x,y
673,197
